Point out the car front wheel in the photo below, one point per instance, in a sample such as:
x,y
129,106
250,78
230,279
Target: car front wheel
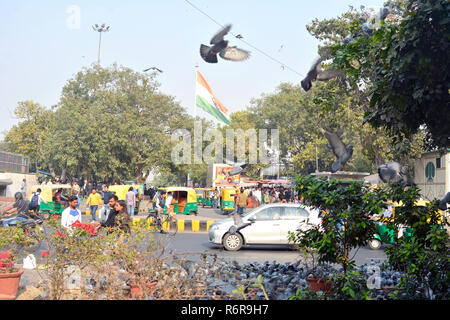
x,y
232,242
375,244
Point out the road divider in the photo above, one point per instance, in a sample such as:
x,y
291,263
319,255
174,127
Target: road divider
x,y
183,225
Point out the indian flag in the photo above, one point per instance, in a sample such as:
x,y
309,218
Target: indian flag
x,y
206,100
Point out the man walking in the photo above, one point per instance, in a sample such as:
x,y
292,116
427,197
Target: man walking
x,y
215,197
130,198
105,209
241,202
23,188
35,201
94,201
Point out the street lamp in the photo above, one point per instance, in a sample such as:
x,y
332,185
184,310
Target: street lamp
x,y
100,29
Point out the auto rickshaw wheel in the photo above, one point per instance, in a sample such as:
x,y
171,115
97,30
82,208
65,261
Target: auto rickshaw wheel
x,y
45,215
374,244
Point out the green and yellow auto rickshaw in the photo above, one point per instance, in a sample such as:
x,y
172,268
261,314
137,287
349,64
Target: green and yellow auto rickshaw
x,y
384,233
204,196
227,202
184,200
121,190
200,195
55,196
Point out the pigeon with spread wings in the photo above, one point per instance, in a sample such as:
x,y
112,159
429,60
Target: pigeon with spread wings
x,y
153,68
394,172
318,73
220,46
341,152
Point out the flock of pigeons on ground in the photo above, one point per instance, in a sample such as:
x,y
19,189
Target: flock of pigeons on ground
x,y
390,172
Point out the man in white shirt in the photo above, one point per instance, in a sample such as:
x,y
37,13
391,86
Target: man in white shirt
x,y
71,213
257,193
169,202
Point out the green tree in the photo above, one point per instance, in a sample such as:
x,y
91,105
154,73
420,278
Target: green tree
x,y
29,136
405,68
113,123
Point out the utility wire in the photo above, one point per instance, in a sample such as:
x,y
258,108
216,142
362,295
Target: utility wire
x,y
246,42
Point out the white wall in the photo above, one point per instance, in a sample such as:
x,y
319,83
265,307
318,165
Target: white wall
x,y
17,178
441,182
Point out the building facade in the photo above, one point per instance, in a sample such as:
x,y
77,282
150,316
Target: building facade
x,y
432,174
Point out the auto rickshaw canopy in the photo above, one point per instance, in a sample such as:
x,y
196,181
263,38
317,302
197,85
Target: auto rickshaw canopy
x,y
47,190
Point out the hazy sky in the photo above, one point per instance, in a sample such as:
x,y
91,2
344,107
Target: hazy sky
x,y
42,46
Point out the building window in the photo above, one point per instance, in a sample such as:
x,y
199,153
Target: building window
x,y
430,171
438,163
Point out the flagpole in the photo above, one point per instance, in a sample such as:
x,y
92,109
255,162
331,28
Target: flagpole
x,y
195,96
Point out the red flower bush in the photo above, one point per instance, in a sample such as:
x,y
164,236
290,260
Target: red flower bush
x,y
6,259
60,234
90,229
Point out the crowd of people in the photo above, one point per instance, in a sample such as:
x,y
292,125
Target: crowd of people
x,y
251,197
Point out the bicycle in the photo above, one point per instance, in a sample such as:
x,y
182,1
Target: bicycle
x,y
166,220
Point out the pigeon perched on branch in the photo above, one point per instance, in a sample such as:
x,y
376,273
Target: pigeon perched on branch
x,y
342,153
220,46
394,172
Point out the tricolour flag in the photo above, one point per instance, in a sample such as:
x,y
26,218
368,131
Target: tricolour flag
x,y
206,100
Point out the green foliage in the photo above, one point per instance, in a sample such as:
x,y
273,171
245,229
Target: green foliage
x,y
347,223
423,258
110,124
350,286
404,66
31,133
304,293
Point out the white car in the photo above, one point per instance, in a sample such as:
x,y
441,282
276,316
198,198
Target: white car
x,y
267,224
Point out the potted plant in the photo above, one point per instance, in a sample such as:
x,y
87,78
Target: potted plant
x,y
14,243
9,276
317,277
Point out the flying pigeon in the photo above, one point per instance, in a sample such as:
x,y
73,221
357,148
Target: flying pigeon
x,y
443,203
237,169
239,36
394,172
153,68
220,46
341,152
318,73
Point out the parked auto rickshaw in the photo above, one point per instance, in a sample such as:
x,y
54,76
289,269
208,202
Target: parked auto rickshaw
x,y
200,195
386,235
48,192
184,200
204,196
121,190
227,203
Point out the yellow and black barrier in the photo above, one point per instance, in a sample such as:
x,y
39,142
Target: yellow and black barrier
x,y
183,225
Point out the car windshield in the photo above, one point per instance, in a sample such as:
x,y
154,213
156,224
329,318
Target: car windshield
x,y
250,212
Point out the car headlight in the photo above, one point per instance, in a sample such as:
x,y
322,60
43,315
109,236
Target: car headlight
x,y
214,227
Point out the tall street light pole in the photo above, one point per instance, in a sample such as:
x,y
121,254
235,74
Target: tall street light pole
x,y
100,29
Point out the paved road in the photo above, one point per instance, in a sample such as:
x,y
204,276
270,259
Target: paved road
x,y
193,244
